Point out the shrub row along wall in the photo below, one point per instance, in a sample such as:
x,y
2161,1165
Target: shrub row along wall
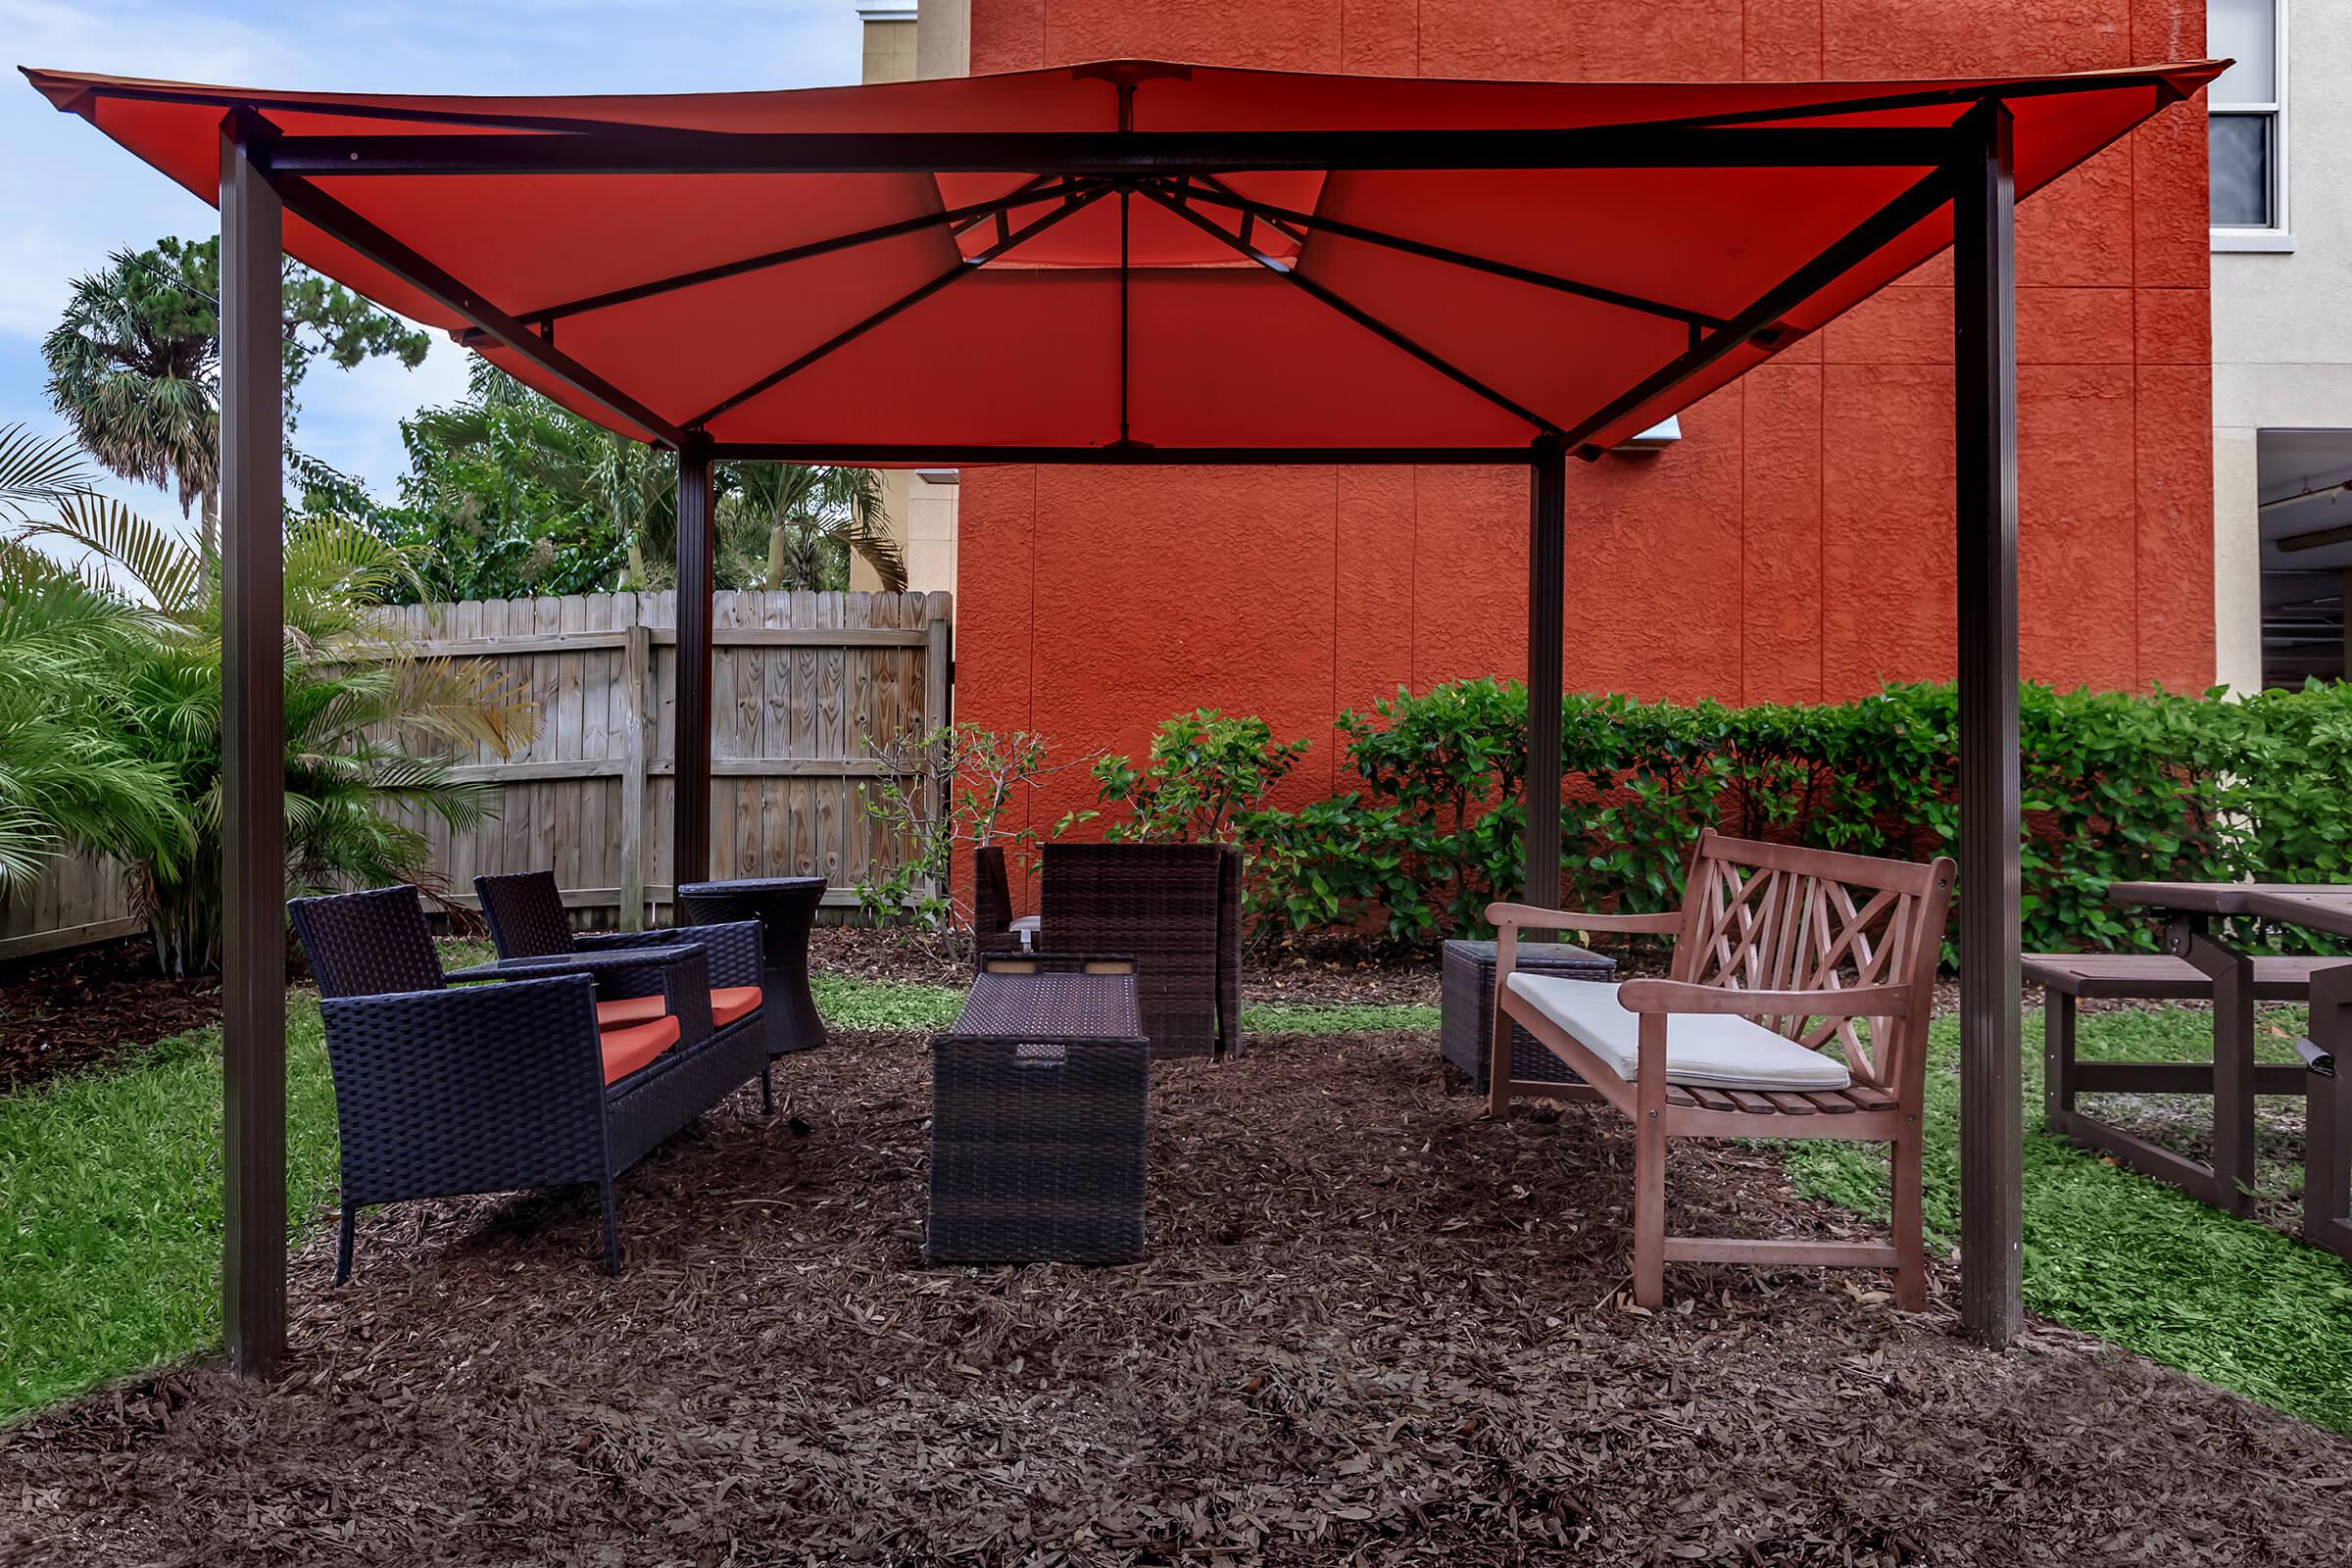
x,y
2117,787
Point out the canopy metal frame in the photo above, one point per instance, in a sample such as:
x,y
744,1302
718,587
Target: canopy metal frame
x,y
1967,166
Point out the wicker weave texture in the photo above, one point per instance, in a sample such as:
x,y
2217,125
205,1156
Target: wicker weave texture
x,y
496,1086
784,908
992,902
367,944
1166,904
1039,1122
1466,978
525,911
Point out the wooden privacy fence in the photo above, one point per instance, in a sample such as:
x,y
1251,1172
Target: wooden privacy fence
x,y
809,693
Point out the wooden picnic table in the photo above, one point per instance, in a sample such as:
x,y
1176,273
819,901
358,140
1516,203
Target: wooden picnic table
x,y
2191,909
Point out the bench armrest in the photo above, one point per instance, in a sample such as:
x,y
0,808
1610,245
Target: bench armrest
x,y
475,1090
679,973
1515,916
1682,996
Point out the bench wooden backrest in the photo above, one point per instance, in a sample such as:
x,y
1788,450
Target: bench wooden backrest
x,y
1776,918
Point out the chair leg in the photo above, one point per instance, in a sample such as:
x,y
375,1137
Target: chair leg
x,y
1499,1061
1910,1225
611,1230
768,1090
1649,1213
350,1220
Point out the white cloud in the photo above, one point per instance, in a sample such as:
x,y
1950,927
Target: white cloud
x,y
69,197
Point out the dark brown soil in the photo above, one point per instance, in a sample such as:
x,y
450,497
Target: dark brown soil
x,y
1373,1329
68,1011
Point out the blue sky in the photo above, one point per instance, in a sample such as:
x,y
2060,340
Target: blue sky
x,y
69,197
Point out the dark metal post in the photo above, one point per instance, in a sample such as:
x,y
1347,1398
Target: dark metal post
x,y
1985,409
253,761
1546,590
690,832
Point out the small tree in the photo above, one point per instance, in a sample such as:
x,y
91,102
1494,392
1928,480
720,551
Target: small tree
x,y
976,774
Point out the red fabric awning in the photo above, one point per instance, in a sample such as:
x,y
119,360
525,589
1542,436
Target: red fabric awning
x,y
1346,304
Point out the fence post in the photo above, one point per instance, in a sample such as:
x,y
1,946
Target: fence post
x,y
637,657
939,649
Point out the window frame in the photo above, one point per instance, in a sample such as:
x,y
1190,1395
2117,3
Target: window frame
x,y
2278,234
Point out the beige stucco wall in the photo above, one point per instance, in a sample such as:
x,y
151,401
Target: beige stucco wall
x,y
899,47
2282,323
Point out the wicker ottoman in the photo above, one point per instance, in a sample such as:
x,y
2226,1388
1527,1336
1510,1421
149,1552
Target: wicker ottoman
x,y
1039,1096
1468,996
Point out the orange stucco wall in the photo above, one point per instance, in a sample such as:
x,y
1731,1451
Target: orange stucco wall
x,y
1795,545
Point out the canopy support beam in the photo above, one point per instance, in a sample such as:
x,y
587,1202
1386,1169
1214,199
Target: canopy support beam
x,y
1297,224
338,221
955,219
690,802
253,757
1351,311
661,150
1991,826
1546,646
1071,202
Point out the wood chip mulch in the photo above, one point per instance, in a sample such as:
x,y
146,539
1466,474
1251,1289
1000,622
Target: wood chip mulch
x,y
71,1011
1373,1329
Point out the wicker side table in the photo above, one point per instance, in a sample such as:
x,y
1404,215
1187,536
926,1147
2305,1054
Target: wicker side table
x,y
1039,1097
1466,979
785,908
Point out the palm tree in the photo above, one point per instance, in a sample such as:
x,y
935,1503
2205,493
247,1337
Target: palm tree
x,y
795,525
67,779
36,474
370,726
134,364
134,368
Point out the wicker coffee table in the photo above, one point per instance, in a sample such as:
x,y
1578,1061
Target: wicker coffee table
x,y
785,908
1038,1112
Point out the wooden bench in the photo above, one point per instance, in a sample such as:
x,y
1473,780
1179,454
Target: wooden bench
x,y
1779,953
2067,978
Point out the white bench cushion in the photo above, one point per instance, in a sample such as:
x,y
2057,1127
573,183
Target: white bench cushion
x,y
1711,1050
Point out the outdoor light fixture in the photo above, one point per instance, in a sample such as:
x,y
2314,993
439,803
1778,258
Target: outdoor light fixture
x,y
1658,438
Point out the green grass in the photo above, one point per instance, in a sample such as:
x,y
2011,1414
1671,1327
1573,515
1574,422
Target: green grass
x,y
850,1003
2127,1259
110,1209
1310,1019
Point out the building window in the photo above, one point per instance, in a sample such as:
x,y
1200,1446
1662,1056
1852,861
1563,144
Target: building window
x,y
2246,125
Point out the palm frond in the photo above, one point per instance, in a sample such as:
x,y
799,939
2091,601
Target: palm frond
x,y
163,566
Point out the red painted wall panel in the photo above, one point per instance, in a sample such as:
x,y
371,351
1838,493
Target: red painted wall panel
x,y
1795,545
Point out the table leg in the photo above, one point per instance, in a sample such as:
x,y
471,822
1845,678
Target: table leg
x,y
2328,1130
2232,977
2058,1062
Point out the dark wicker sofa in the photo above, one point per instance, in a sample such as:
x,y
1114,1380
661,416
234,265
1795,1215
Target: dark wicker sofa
x,y
493,1088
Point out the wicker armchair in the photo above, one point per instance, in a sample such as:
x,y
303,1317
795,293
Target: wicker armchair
x,y
1176,907
525,912
492,1088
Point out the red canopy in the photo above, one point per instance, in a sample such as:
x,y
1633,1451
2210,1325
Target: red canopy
x,y
1131,253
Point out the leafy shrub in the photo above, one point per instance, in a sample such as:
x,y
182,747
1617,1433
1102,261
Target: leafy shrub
x,y
2116,787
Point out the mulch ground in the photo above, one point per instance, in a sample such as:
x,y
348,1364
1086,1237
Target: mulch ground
x,y
1373,1329
71,1012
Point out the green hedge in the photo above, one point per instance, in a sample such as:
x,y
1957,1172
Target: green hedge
x,y
2117,787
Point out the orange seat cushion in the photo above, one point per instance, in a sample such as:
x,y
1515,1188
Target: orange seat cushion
x,y
628,1010
730,1002
632,1046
